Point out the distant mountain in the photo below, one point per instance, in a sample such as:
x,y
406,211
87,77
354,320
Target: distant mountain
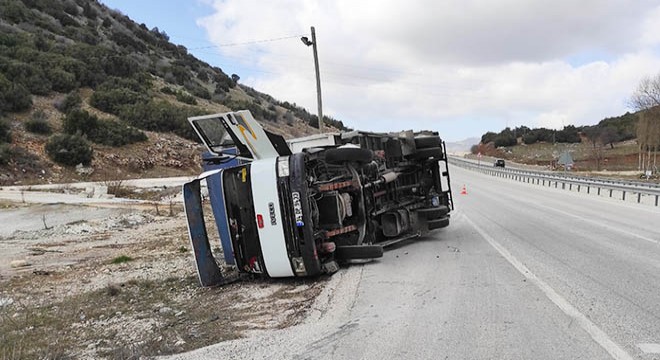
x,y
462,146
81,83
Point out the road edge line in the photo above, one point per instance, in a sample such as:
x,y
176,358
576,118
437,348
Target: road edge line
x,y
598,335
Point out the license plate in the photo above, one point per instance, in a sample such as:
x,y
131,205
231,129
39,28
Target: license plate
x,y
297,209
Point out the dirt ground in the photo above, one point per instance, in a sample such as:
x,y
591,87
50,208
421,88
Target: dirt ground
x,y
119,283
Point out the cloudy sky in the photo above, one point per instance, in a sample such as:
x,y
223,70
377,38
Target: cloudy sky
x,y
461,67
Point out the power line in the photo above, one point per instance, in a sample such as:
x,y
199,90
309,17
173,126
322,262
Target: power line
x,y
248,42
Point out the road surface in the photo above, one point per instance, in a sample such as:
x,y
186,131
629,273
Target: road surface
x,y
522,272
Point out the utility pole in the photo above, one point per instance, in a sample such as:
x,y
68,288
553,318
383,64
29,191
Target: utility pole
x,y
306,41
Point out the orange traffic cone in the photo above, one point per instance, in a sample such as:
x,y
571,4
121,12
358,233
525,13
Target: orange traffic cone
x,y
464,190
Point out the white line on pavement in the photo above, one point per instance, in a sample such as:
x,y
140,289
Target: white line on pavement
x,y
650,348
599,224
598,335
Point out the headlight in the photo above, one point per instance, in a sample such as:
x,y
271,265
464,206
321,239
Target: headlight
x,y
283,166
435,201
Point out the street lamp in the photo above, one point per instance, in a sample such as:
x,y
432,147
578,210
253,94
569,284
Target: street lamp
x,y
312,43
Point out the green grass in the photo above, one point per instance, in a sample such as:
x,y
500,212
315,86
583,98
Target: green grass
x,y
121,259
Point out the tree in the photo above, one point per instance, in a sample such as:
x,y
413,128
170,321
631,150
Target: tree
x,y
609,135
646,98
594,135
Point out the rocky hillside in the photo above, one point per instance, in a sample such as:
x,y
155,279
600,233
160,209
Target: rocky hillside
x,y
81,84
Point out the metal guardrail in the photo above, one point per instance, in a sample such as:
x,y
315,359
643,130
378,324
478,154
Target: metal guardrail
x,y
634,188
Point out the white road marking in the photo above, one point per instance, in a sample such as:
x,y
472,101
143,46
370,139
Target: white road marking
x,y
599,224
598,335
650,348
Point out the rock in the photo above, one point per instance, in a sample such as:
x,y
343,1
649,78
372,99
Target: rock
x,y
6,302
19,263
83,170
165,310
180,342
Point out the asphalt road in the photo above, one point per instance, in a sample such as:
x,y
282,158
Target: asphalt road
x,y
522,272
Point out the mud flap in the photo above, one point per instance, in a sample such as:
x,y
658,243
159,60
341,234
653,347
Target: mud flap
x,y
207,269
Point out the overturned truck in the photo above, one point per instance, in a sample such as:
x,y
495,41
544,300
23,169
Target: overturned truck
x,y
303,213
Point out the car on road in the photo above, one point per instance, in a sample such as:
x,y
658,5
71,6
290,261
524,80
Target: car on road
x,y
499,163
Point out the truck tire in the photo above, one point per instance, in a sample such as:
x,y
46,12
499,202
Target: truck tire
x,y
343,155
349,252
432,152
427,141
434,212
438,223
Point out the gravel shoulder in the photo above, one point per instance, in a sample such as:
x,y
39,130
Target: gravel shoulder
x,y
118,280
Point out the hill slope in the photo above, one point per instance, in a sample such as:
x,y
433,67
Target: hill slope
x,y
75,74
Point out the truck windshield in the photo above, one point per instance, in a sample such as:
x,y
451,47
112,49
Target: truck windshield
x,y
241,218
213,133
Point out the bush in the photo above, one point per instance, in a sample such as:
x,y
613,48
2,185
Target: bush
x,y
162,117
61,81
5,154
530,138
71,101
37,123
113,133
5,133
80,121
13,96
184,97
104,132
111,101
69,150
167,90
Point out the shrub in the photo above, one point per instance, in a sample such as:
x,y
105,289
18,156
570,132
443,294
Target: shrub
x,y
113,133
71,101
5,154
167,90
111,101
69,150
184,97
13,96
5,133
80,121
61,80
530,138
161,116
37,123
104,132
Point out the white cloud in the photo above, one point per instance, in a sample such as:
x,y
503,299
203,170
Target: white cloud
x,y
420,64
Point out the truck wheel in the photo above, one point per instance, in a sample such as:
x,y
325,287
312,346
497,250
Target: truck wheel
x,y
343,155
432,152
427,141
438,224
348,252
434,212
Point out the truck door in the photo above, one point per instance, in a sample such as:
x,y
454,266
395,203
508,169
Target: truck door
x,y
241,130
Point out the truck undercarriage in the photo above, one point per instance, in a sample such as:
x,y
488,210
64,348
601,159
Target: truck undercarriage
x,y
328,204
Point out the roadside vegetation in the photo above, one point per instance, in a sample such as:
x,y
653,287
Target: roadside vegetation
x,y
111,80
627,142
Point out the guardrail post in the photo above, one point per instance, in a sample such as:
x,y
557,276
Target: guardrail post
x,y
598,191
588,189
624,196
570,187
656,200
610,192
639,197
